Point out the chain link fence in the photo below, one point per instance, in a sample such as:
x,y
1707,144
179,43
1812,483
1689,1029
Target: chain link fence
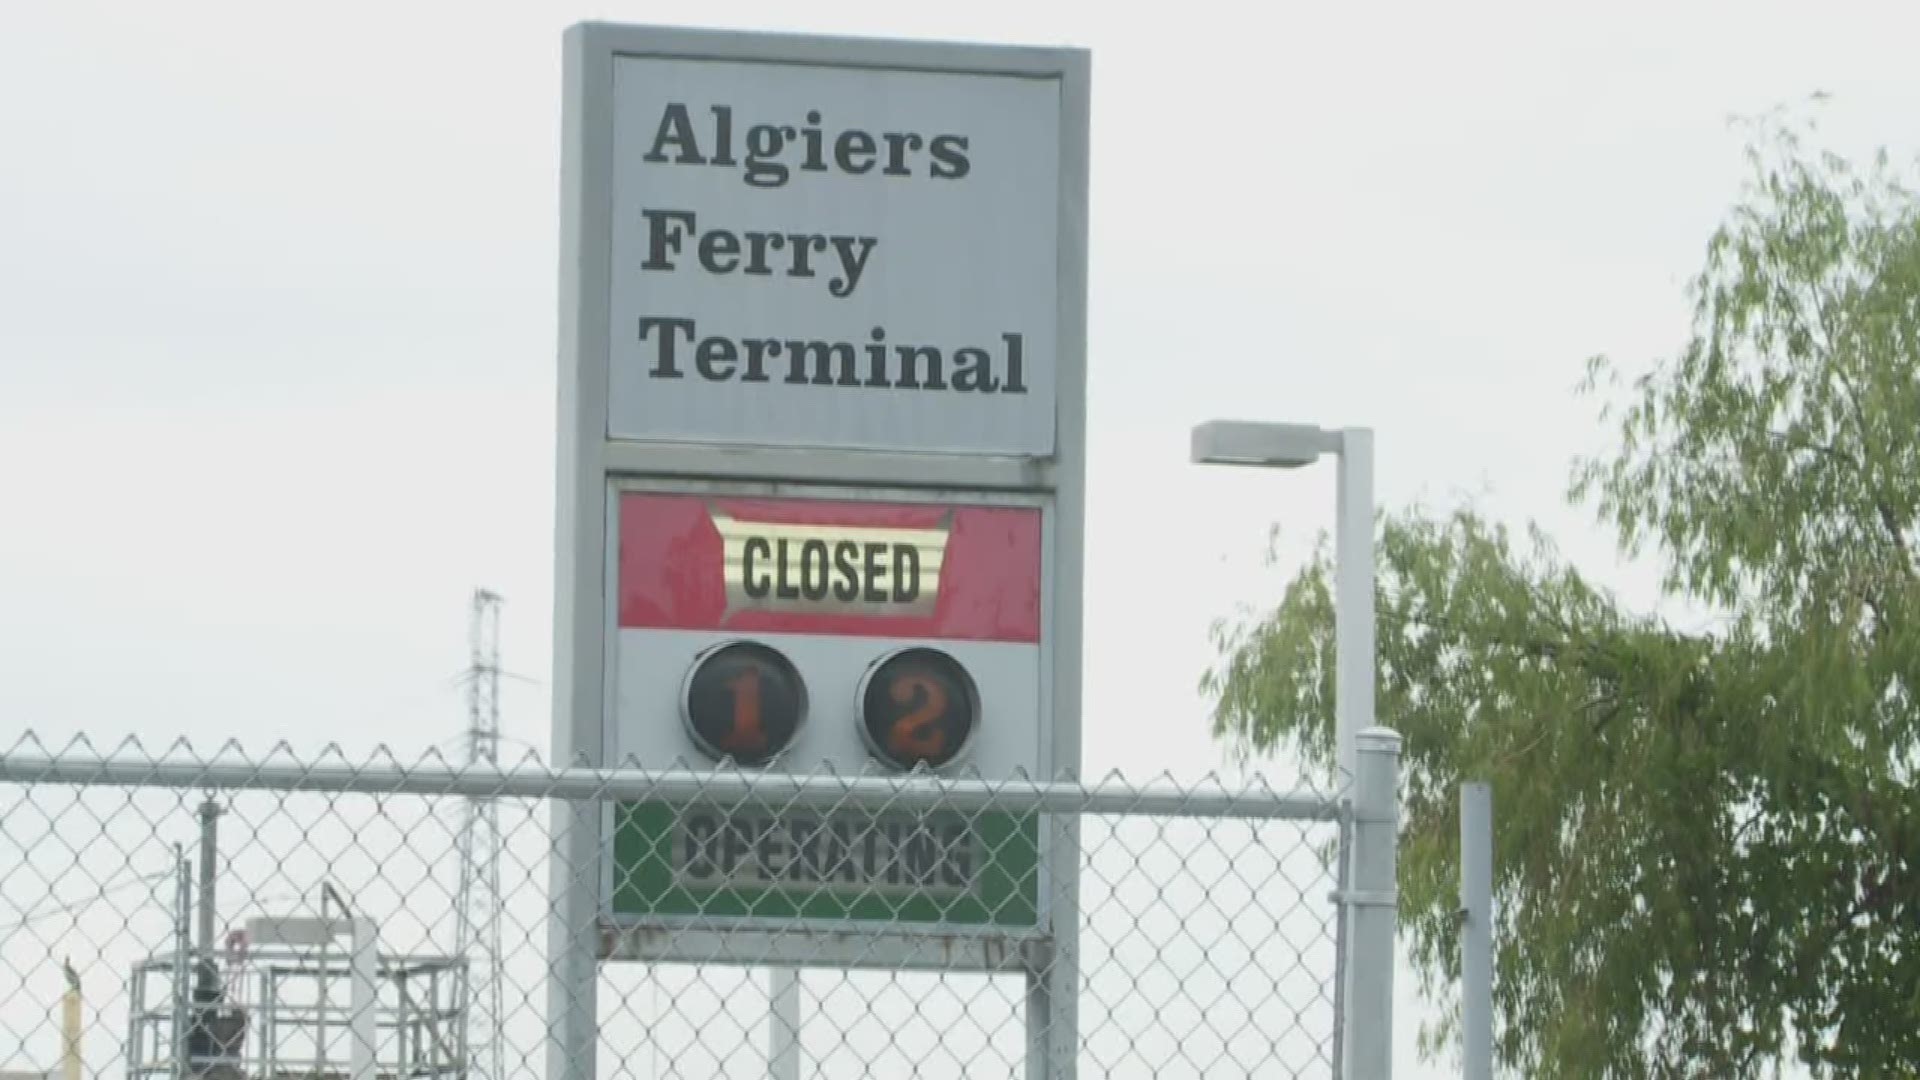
x,y
172,915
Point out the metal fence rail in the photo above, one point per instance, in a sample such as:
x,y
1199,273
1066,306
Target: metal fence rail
x,y
1253,802
1207,938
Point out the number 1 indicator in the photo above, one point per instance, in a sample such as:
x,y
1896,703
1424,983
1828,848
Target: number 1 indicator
x,y
918,707
745,701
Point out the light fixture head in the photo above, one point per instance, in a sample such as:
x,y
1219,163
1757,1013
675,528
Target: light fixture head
x,y
1248,442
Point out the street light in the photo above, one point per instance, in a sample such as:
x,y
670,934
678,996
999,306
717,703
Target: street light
x,y
1293,446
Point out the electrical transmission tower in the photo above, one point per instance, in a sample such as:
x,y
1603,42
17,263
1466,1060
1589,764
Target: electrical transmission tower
x,y
479,900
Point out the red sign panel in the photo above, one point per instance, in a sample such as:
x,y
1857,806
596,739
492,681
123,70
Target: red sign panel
x,y
690,562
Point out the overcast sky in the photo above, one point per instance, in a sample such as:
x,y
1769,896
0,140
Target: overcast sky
x,y
277,315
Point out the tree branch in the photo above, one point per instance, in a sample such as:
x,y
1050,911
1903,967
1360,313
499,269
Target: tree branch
x,y
1896,532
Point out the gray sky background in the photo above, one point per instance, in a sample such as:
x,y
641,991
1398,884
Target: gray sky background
x,y
277,315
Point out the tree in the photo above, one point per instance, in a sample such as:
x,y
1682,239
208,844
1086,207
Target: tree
x,y
1708,841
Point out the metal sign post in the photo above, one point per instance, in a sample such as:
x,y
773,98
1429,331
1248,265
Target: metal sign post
x,y
821,467
783,1024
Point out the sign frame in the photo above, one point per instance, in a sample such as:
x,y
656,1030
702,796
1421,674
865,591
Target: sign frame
x,y
848,943
586,275
590,469
1049,763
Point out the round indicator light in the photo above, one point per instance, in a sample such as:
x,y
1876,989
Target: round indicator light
x,y
918,707
743,700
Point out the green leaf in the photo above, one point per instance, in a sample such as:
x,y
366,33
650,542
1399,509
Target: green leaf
x,y
1708,842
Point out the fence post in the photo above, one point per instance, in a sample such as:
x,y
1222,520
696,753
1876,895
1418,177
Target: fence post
x,y
1373,899
1476,931
182,946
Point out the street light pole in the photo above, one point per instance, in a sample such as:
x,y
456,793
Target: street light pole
x,y
1363,998
1353,598
1292,446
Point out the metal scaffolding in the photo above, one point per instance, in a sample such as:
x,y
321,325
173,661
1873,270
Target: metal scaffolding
x,y
267,1003
281,1015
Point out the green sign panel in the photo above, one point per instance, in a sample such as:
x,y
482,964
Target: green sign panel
x,y
898,868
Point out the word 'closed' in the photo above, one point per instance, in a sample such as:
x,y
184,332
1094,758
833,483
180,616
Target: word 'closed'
x,y
876,572
886,572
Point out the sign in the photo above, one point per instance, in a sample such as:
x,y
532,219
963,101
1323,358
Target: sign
x,y
847,568
839,637
743,702
705,867
821,460
812,255
919,708
935,668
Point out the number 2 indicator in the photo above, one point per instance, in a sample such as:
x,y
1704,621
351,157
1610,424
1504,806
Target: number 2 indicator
x,y
918,708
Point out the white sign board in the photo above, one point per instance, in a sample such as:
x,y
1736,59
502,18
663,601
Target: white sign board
x,y
819,256
821,443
